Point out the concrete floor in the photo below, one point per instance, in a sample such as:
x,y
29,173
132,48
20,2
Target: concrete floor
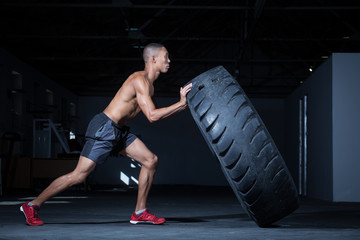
x,y
191,213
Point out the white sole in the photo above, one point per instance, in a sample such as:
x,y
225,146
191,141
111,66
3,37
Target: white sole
x,y
22,210
141,222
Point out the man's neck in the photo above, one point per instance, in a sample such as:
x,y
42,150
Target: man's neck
x,y
151,73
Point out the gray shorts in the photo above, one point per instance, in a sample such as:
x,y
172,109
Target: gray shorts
x,y
104,137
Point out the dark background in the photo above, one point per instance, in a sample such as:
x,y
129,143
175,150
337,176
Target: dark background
x,y
64,61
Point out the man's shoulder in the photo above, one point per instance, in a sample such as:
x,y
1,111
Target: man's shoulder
x,y
139,74
139,79
136,77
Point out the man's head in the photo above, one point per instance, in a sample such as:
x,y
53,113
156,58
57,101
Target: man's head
x,y
155,53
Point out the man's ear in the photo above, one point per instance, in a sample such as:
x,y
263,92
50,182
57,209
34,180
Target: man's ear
x,y
153,59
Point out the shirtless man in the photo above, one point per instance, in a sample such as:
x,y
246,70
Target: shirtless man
x,y
107,131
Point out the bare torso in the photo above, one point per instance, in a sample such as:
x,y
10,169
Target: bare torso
x,y
124,106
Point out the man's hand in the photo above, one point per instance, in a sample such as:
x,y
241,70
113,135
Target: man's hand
x,y
183,92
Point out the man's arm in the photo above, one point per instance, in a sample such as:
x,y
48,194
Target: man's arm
x,y
148,107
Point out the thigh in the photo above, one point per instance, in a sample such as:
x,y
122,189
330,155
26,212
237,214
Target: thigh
x,y
85,165
138,151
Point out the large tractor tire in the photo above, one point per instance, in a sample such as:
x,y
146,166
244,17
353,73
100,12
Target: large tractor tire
x,y
240,141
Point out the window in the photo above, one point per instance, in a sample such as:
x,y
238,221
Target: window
x,y
303,148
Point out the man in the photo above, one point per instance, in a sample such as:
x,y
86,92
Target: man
x,y
107,131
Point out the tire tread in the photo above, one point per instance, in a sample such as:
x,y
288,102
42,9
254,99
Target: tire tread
x,y
244,148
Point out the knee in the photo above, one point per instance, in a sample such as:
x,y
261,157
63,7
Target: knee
x,y
81,178
152,162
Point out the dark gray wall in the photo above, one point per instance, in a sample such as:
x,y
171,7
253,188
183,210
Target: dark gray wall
x,y
346,128
184,156
333,137
318,88
19,105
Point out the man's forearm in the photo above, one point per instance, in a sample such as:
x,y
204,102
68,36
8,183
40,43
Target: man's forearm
x,y
162,113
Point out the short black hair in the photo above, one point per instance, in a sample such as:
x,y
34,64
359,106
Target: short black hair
x,y
150,50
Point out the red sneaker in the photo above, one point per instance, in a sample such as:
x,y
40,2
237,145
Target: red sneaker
x,y
31,214
146,217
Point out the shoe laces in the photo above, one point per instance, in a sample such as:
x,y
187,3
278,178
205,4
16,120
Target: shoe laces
x,y
36,210
149,216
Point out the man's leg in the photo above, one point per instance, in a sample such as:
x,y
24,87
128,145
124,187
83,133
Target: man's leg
x,y
82,170
149,161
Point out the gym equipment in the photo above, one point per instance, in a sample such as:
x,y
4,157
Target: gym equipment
x,y
244,148
42,138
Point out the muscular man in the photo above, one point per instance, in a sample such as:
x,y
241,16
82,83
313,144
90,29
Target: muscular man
x,y
107,131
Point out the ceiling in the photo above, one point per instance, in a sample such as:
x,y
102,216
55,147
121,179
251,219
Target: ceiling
x,y
91,46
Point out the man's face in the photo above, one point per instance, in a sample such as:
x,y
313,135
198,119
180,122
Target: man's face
x,y
162,60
